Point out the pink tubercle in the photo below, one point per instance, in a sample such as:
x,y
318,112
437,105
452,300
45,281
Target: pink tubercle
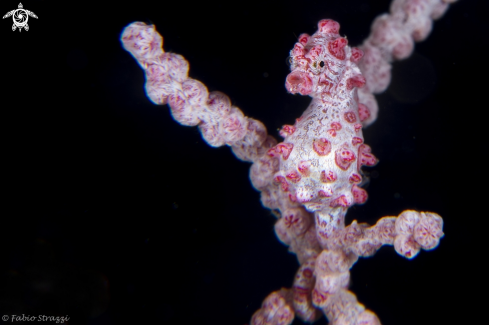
x,y
303,167
341,201
355,178
304,38
287,130
336,126
365,158
283,183
355,82
356,140
298,82
363,112
344,158
328,176
356,54
350,117
337,48
283,149
321,146
359,194
327,26
332,133
293,176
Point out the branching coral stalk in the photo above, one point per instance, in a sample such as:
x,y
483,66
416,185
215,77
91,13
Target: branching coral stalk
x,y
314,175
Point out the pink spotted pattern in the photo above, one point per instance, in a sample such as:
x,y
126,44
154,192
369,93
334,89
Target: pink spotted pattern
x,y
313,176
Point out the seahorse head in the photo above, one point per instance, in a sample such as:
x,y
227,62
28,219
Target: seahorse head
x,y
323,63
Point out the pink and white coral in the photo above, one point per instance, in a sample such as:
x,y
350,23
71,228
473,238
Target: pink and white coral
x,y
314,175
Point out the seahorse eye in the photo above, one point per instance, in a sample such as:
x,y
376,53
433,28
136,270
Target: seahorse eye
x,y
321,64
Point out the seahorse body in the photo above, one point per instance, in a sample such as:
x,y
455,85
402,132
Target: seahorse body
x,y
322,153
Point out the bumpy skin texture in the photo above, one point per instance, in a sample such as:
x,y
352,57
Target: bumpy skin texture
x,y
314,175
319,167
323,151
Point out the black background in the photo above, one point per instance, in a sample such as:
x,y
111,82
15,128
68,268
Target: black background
x,y
112,213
